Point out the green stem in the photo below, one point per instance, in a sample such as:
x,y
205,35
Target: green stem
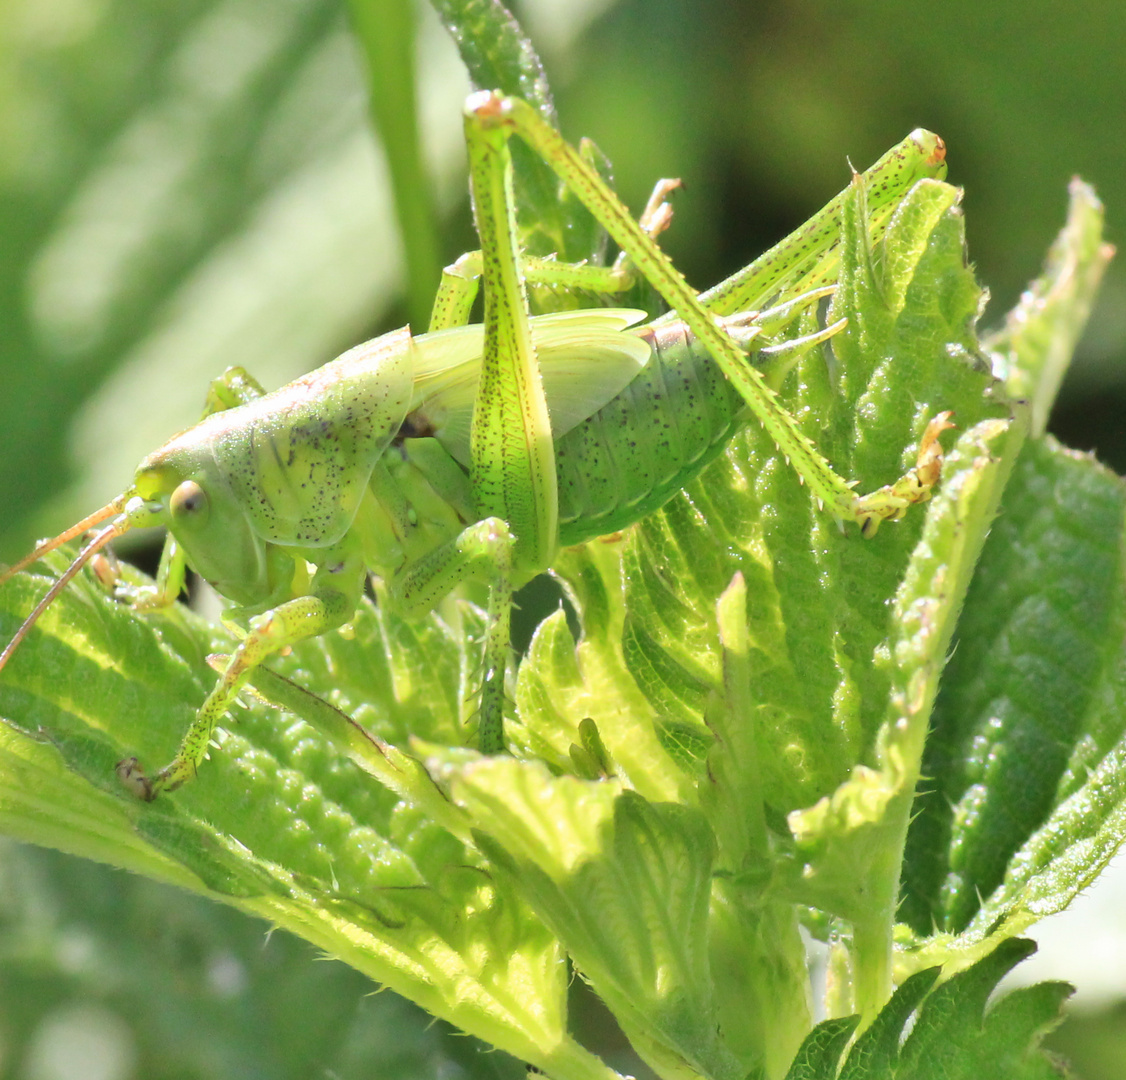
x,y
871,967
386,32
570,1061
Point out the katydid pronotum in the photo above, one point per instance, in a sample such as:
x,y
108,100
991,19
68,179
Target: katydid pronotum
x,y
476,452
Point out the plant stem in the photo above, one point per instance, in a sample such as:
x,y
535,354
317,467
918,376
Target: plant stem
x,y
386,33
871,955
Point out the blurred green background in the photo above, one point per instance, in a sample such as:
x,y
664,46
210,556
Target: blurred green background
x,y
185,186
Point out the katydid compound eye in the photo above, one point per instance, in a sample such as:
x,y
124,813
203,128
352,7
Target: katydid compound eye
x,y
189,504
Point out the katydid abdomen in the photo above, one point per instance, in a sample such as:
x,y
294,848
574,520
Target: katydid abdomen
x,y
646,443
662,411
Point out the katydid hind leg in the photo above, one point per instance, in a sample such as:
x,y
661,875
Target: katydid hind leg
x,y
512,454
512,457
513,116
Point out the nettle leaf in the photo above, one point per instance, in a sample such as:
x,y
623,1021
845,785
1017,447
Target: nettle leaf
x,y
810,672
876,1051
1033,349
844,841
1031,703
625,883
816,599
953,1037
822,1049
831,661
1023,806
196,983
737,732
279,823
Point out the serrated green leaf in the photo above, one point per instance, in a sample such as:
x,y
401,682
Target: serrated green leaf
x,y
166,976
953,1036
876,1050
625,885
1042,621
1023,712
849,845
954,1010
814,629
819,1054
1038,339
278,824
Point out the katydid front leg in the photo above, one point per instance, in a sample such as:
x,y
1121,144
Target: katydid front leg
x,y
336,590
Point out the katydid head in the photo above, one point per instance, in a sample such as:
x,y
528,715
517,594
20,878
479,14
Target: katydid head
x,y
161,494
251,490
187,493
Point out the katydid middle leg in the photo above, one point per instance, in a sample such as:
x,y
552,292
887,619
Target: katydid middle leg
x,y
461,279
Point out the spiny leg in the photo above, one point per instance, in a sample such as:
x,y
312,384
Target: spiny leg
x,y
491,113
335,592
512,455
808,258
461,279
